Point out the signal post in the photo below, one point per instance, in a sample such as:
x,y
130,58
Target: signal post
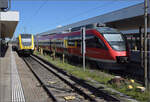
x,y
148,2
83,50
0,41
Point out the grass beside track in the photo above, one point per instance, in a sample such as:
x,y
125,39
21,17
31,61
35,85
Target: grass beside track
x,y
99,76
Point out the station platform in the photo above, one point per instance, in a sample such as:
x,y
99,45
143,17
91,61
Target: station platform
x,y
17,83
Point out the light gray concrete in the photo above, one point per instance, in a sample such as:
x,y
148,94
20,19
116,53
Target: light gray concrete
x,y
10,85
17,83
17,91
5,81
30,85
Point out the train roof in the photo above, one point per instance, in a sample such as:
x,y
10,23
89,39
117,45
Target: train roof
x,y
88,26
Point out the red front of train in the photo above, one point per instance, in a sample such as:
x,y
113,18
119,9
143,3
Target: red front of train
x,y
104,45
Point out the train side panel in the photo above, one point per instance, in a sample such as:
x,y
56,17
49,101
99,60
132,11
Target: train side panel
x,y
98,47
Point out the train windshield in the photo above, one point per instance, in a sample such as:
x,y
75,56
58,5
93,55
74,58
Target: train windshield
x,y
26,40
116,41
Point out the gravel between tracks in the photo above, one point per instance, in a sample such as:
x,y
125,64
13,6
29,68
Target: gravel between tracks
x,y
58,89
61,86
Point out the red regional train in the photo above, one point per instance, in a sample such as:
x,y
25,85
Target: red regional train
x,y
105,46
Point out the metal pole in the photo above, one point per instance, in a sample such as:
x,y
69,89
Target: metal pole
x,y
149,66
0,43
0,40
24,30
83,46
141,50
149,46
145,44
132,43
9,5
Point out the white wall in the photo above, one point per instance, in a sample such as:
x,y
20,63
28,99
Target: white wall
x,y
9,16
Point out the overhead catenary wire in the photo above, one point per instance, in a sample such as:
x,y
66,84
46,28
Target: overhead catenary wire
x,y
101,8
36,12
74,16
43,4
76,0
82,13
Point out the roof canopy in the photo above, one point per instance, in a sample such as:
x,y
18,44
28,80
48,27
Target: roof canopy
x,y
8,23
126,19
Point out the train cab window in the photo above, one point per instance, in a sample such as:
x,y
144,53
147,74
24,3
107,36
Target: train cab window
x,y
116,41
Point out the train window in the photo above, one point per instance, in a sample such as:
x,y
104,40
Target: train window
x,y
44,43
26,40
76,37
74,40
78,43
71,42
57,43
116,41
91,41
94,42
113,37
26,35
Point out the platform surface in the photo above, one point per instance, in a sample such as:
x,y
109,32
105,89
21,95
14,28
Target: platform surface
x,y
5,73
17,83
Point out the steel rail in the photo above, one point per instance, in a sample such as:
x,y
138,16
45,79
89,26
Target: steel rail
x,y
78,81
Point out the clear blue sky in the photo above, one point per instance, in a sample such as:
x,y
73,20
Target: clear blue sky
x,y
38,16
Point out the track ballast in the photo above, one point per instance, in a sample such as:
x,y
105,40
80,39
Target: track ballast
x,y
60,86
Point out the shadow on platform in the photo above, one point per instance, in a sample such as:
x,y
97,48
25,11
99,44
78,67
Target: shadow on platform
x,y
3,50
22,54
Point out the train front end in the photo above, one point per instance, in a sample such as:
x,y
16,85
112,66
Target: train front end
x,y
26,43
117,48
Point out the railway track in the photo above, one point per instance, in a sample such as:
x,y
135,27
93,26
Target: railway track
x,y
62,87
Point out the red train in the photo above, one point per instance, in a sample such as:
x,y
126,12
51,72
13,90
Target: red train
x,y
104,45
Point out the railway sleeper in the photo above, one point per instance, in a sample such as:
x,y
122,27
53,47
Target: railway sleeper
x,y
70,80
